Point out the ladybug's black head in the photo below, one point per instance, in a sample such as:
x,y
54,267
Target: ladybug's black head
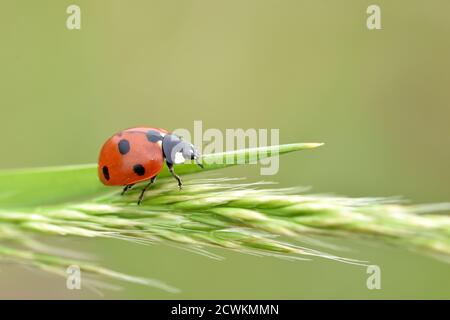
x,y
178,151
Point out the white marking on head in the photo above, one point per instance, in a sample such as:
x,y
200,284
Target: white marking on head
x,y
179,158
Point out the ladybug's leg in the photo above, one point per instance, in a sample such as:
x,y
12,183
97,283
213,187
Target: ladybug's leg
x,y
127,187
141,196
172,172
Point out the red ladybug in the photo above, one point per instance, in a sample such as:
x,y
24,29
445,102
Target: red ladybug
x,y
138,154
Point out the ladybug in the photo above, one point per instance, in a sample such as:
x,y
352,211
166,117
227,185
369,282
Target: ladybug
x,y
138,154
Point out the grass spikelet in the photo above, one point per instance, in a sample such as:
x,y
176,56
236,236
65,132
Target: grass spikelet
x,y
251,218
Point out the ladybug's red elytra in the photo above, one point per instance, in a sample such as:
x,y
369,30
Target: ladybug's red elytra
x,y
138,154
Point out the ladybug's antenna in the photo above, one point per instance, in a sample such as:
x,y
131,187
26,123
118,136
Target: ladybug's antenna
x,y
198,163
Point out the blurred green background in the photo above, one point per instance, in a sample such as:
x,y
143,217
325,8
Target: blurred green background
x,y
378,99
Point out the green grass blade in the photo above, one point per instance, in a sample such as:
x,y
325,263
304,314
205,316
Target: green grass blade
x,y
52,185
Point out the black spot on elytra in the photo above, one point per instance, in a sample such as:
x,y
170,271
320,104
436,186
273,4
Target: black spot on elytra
x,y
154,136
124,146
139,169
105,172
